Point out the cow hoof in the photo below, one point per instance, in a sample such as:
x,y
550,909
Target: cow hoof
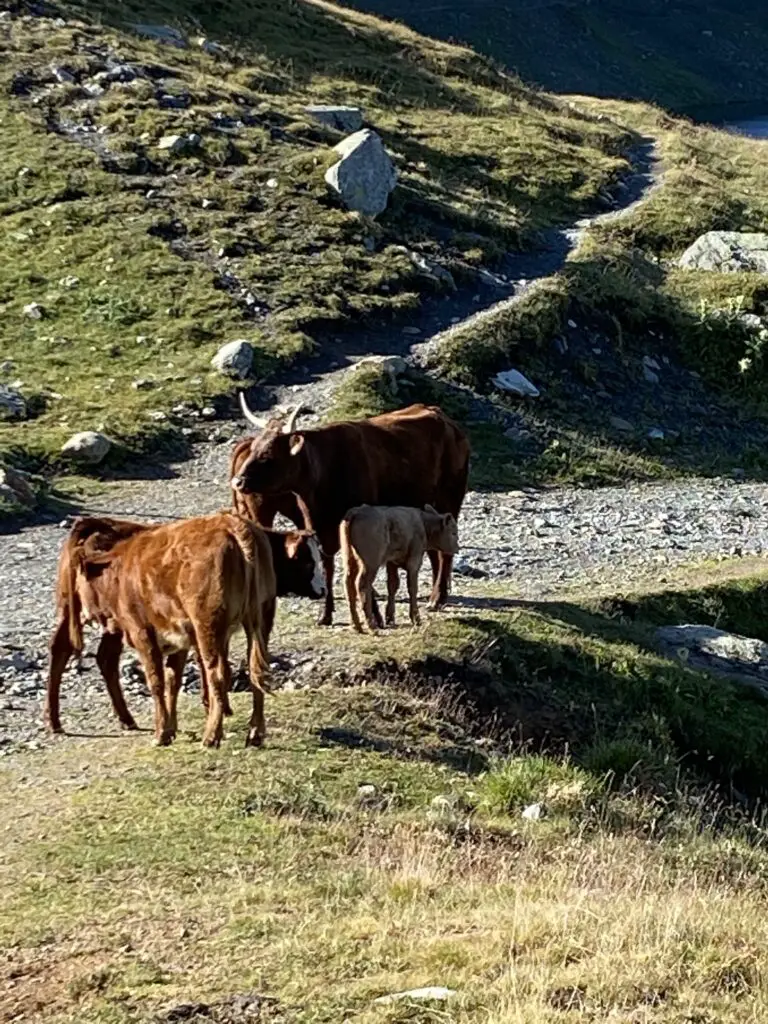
x,y
164,740
325,620
254,740
129,726
211,741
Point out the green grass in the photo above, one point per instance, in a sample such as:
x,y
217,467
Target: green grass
x,y
481,159
139,878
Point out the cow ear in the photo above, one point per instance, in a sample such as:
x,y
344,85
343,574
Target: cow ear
x,y
447,519
429,508
292,542
297,443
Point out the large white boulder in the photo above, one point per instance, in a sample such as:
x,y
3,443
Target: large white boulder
x,y
740,658
728,252
365,176
87,446
234,359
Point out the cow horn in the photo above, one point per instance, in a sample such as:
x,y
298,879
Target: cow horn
x,y
251,417
288,428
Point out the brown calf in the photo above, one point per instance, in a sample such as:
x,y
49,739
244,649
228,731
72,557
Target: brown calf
x,y
372,536
298,571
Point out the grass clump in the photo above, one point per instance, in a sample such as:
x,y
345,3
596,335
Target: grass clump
x,y
512,783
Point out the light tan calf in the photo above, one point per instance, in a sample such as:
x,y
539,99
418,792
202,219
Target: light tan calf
x,y
374,535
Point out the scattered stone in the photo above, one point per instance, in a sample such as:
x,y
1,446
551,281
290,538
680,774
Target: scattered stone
x,y
343,119
741,659
463,567
13,405
650,376
394,365
17,483
515,383
208,204
88,446
34,311
433,993
433,270
271,183
414,332
157,415
210,47
656,434
162,34
94,90
367,794
142,384
728,252
365,176
650,363
623,425
533,812
234,359
208,412
69,282
180,143
61,75
7,366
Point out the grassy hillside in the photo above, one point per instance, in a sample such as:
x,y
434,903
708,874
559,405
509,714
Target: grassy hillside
x,y
145,262
140,879
685,55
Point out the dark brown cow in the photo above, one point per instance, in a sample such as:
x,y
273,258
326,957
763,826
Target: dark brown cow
x,y
414,456
168,588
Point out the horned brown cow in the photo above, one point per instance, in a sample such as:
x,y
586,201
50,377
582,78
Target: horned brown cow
x,y
172,587
373,536
294,557
414,456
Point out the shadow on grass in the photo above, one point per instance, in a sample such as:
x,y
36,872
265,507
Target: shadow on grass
x,y
457,758
568,681
302,39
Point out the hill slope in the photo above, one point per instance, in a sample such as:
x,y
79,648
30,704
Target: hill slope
x,y
683,55
144,262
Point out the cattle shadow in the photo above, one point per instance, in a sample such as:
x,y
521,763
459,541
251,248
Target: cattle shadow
x,y
454,756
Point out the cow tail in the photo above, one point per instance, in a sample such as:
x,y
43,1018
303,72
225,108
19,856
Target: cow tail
x,y
348,560
74,606
246,536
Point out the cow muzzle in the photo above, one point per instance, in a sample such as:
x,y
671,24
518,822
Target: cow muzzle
x,y
237,483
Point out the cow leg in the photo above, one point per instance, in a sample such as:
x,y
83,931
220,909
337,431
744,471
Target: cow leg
x,y
61,650
441,578
412,574
258,645
215,663
152,663
350,585
108,659
393,585
326,618
174,674
365,580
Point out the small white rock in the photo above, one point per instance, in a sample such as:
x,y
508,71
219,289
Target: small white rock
x,y
34,311
69,281
533,812
271,183
87,446
234,359
434,993
656,434
516,383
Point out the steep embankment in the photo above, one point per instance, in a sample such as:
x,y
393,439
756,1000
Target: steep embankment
x,y
143,260
686,56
